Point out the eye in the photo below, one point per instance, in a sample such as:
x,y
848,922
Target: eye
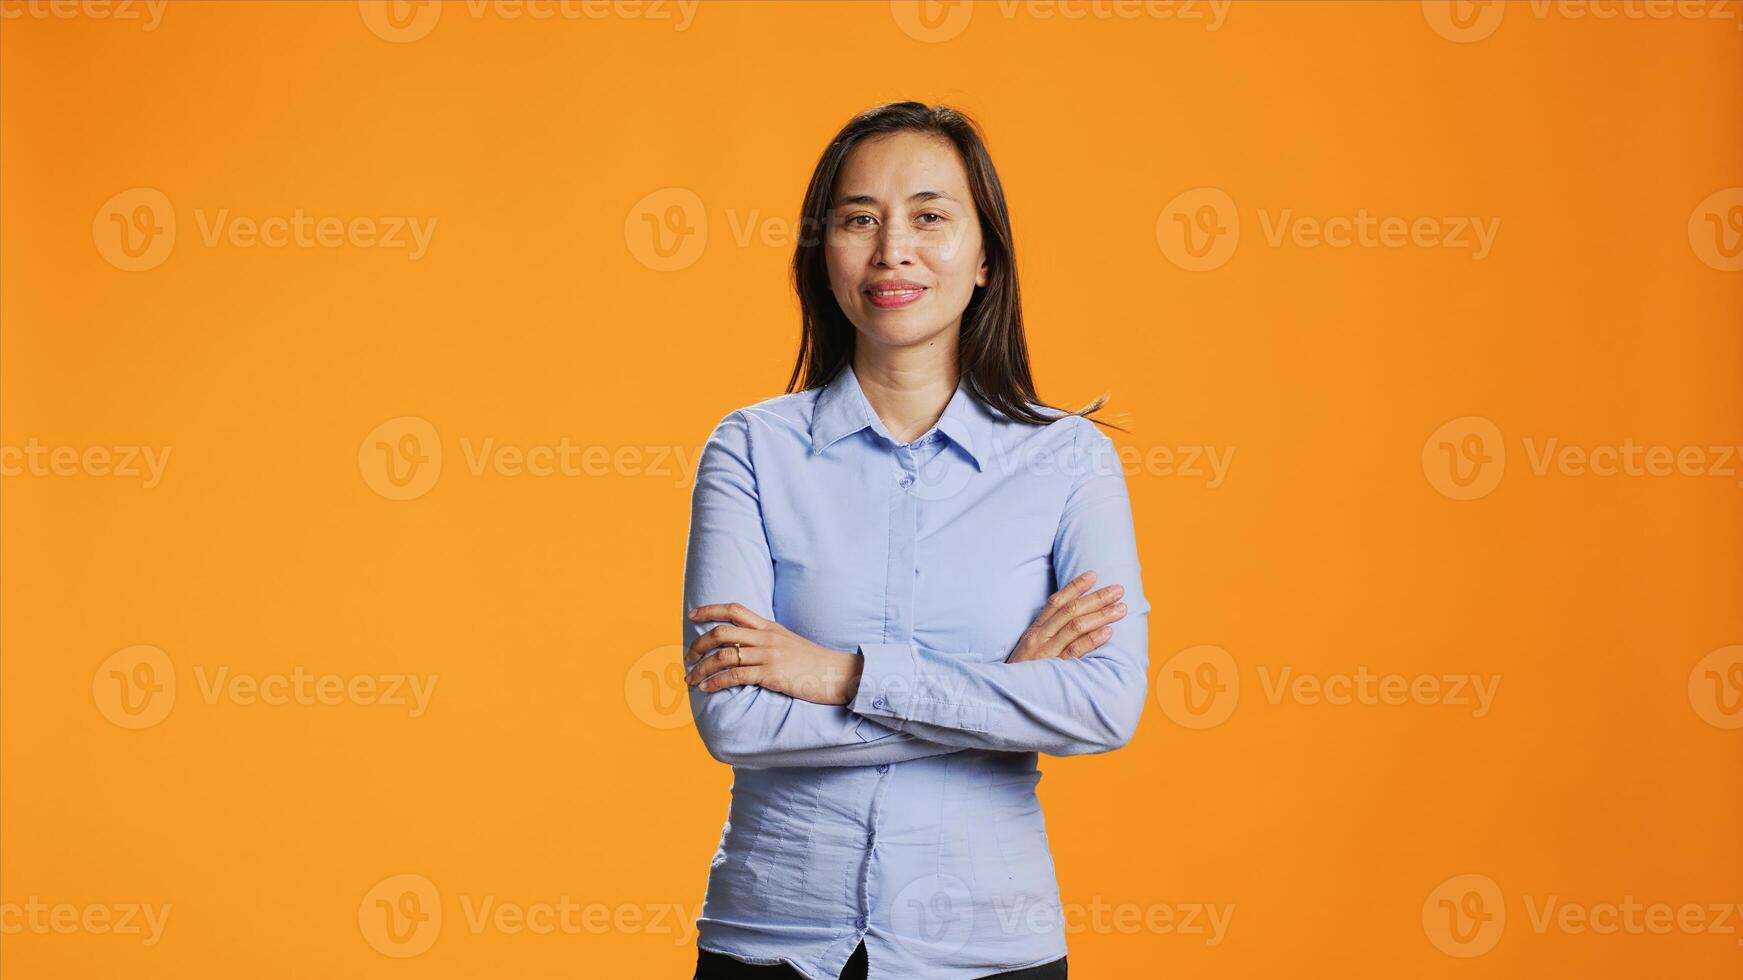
x,y
933,214
852,218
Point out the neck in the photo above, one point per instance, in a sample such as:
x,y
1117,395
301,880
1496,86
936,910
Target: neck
x,y
908,388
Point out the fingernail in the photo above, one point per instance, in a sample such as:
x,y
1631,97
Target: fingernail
x,y
1119,607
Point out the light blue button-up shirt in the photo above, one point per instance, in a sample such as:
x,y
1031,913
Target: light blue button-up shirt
x,y
907,818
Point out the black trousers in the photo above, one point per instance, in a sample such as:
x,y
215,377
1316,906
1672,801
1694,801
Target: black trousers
x,y
718,966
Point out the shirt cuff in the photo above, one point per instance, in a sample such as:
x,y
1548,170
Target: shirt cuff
x,y
892,691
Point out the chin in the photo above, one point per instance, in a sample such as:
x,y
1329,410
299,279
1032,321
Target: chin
x,y
905,336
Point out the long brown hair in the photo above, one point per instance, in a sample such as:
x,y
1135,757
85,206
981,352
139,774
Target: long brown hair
x,y
993,356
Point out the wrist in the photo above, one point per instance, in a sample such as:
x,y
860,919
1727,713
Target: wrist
x,y
850,682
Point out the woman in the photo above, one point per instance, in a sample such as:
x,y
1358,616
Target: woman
x,y
879,552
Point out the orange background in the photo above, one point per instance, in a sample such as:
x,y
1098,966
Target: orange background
x,y
549,761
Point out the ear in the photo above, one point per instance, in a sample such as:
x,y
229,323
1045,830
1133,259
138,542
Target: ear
x,y
981,275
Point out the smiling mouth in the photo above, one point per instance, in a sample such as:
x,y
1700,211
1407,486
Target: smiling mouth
x,y
895,297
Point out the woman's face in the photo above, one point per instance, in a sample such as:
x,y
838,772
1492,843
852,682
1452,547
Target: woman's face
x,y
903,218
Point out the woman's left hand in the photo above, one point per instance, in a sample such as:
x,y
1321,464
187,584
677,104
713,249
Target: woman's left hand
x,y
749,649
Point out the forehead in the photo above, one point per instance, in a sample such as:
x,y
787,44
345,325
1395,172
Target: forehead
x,y
891,167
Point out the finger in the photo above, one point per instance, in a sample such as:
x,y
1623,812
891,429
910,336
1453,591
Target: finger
x,y
727,658
1087,643
1087,632
1087,604
1064,597
733,677
723,635
728,612
1094,621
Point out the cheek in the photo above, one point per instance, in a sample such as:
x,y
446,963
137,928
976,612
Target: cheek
x,y
955,266
844,263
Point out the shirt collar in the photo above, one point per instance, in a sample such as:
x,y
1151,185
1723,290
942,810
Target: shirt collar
x,y
842,409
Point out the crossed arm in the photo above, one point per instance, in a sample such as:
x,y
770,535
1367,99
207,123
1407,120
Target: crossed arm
x,y
911,701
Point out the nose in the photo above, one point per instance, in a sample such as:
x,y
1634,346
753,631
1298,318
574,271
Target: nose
x,y
895,246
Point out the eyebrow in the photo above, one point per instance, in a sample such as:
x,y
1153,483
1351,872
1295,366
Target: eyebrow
x,y
868,199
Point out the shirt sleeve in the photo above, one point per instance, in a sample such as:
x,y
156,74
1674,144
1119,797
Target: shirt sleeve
x,y
1059,707
727,559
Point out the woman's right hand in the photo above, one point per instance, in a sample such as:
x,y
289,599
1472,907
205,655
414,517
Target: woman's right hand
x,y
1072,623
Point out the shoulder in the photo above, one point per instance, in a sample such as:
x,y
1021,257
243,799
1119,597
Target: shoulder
x,y
779,424
784,410
1062,433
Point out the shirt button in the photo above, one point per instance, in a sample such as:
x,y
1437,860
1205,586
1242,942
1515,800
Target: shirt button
x,y
882,767
880,702
907,481
859,923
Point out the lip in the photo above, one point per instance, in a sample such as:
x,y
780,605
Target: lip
x,y
895,302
